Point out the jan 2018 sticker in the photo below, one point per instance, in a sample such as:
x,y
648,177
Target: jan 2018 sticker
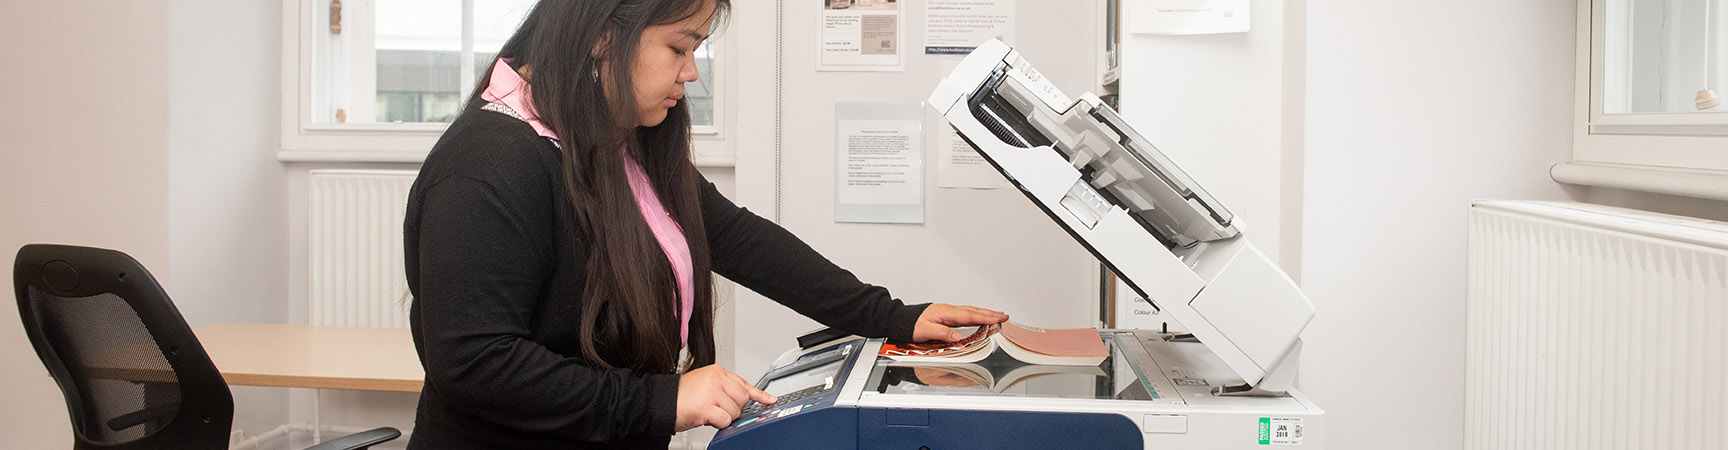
x,y
1280,431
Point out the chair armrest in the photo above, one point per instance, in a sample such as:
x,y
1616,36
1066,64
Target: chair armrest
x,y
359,441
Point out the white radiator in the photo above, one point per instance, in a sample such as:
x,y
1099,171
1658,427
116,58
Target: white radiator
x,y
1593,327
355,238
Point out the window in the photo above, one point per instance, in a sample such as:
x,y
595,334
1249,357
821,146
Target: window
x,y
1658,57
1652,94
378,80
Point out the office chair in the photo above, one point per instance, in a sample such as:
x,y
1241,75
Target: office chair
x,y
134,375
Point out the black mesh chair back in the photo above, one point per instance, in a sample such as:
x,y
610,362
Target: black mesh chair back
x,y
133,374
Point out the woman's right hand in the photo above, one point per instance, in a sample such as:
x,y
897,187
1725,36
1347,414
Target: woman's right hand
x,y
713,396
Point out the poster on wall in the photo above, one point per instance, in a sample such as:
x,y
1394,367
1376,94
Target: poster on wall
x,y
860,35
879,162
1187,16
955,27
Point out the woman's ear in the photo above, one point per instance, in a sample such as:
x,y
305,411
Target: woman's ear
x,y
598,53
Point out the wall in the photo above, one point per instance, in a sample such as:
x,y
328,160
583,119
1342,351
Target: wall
x,y
1667,204
1408,119
984,247
83,159
227,191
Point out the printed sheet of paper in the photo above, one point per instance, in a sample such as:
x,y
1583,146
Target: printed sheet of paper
x,y
958,163
1135,312
960,166
1187,16
879,162
955,27
860,35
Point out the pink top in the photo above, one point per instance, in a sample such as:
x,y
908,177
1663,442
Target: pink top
x,y
509,89
671,238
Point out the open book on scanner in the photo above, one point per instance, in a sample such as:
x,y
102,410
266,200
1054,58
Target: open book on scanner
x,y
1033,345
996,374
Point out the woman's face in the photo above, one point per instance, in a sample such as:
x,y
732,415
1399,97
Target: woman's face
x,y
665,60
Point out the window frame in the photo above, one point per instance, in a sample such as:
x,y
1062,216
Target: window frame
x,y
1691,142
303,140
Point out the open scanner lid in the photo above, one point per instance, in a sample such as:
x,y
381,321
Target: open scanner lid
x,y
1022,109
1099,169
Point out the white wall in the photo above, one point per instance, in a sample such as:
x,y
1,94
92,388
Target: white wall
x,y
228,194
83,160
1409,117
1668,204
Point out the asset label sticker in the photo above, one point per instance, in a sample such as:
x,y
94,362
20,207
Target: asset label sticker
x,y
1280,431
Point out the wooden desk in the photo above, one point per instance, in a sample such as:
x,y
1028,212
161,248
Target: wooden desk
x,y
276,355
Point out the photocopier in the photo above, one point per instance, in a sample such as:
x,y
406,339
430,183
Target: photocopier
x,y
1224,383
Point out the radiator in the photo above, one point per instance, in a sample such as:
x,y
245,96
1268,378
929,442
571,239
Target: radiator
x,y
355,247
1592,327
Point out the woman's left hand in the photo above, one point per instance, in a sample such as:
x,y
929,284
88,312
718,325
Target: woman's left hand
x,y
938,320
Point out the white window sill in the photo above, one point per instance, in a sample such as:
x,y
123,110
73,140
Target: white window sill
x,y
351,156
1696,183
419,156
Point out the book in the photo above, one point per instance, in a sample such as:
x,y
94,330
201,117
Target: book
x,y
995,374
1033,345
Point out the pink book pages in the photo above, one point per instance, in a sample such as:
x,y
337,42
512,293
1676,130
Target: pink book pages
x,y
1077,342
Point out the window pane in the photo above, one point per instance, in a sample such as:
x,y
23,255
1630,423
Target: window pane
x,y
1663,56
494,22
417,85
699,95
418,56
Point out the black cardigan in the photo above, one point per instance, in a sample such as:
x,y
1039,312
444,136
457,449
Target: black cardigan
x,y
495,264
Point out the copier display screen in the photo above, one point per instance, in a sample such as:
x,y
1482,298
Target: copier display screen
x,y
816,376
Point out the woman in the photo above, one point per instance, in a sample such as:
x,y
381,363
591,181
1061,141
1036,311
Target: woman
x,y
560,246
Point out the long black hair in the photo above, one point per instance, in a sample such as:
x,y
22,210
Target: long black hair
x,y
630,300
